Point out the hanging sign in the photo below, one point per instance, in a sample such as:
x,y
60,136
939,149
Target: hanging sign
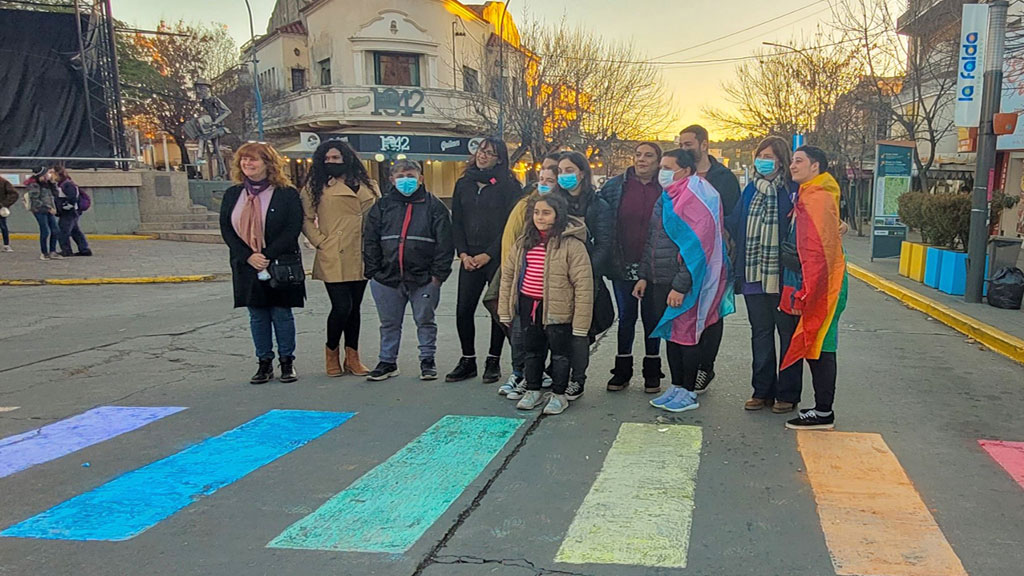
x,y
970,65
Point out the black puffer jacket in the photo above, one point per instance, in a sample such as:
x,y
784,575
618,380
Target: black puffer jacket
x,y
600,220
725,183
662,263
479,214
407,239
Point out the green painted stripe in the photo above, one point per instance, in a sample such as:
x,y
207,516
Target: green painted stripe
x,y
640,508
390,507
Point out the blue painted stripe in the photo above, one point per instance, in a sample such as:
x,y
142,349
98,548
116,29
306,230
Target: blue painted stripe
x,y
138,500
390,507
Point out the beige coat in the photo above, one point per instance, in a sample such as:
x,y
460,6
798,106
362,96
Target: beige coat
x,y
568,280
336,230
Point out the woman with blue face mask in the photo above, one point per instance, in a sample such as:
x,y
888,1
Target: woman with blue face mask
x,y
758,226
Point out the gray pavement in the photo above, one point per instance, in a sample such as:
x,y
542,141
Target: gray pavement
x,y
63,350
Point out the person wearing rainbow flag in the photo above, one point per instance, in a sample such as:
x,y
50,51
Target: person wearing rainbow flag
x,y
685,269
814,282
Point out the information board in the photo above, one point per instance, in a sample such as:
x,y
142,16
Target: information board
x,y
894,163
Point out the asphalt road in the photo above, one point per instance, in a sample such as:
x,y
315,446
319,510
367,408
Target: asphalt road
x,y
757,508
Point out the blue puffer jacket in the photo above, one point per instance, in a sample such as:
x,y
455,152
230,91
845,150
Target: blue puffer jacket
x,y
736,224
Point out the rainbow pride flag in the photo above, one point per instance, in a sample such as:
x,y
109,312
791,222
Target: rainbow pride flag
x,y
692,216
818,293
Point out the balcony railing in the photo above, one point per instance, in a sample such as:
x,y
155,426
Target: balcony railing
x,y
337,106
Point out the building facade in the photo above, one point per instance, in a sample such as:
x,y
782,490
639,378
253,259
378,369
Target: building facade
x,y
403,78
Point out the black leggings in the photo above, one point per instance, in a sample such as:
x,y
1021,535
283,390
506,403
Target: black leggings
x,y
346,298
471,288
684,361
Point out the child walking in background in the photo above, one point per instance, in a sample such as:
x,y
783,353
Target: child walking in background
x,y
548,284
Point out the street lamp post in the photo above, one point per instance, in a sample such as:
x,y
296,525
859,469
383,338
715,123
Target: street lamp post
x,y
501,72
255,76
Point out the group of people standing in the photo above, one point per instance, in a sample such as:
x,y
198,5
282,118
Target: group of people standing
x,y
674,234
57,203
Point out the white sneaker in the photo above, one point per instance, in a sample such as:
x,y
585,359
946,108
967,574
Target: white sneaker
x,y
546,382
519,391
7,248
530,400
44,257
56,256
557,404
509,385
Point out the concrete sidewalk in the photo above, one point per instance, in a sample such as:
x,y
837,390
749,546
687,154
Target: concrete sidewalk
x,y
1001,330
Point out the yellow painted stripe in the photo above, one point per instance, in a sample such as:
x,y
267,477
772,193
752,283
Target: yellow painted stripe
x,y
1002,342
20,236
874,520
94,281
639,510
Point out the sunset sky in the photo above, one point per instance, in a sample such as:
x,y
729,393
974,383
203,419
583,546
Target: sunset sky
x,y
692,28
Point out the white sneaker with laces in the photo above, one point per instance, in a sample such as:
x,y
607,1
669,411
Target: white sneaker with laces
x,y
7,248
509,385
530,400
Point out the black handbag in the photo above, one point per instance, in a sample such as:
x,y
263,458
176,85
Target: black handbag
x,y
286,271
789,258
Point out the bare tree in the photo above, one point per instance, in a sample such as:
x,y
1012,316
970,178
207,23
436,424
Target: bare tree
x,y
919,103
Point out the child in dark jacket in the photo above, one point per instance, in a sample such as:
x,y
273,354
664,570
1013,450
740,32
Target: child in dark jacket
x,y
407,255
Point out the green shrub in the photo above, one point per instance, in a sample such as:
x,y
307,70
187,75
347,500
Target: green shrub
x,y
946,219
911,209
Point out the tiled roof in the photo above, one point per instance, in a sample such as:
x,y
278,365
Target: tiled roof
x,y
296,27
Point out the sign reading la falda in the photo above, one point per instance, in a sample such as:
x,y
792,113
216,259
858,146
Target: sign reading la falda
x,y
971,64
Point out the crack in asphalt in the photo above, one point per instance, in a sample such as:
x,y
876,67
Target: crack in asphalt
x,y
432,557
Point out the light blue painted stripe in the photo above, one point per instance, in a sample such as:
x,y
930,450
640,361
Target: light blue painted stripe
x,y
138,500
390,507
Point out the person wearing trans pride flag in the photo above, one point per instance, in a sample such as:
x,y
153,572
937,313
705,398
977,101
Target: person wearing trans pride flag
x,y
685,271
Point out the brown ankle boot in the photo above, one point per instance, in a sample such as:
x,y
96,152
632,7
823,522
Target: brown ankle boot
x,y
333,361
353,364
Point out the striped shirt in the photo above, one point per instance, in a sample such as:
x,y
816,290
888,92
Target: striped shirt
x,y
533,277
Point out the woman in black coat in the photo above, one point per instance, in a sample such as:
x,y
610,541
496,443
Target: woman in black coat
x,y
260,220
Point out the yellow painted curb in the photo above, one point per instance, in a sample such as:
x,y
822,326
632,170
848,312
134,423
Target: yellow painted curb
x,y
96,281
20,236
1006,344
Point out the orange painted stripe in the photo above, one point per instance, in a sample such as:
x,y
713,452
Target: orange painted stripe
x,y
874,520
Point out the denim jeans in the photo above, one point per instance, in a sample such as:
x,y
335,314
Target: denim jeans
x,y
629,311
767,380
48,232
3,230
69,231
265,323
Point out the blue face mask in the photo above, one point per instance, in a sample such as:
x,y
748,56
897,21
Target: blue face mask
x,y
666,177
764,166
543,189
407,186
568,181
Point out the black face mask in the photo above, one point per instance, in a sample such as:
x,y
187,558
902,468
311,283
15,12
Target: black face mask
x,y
335,170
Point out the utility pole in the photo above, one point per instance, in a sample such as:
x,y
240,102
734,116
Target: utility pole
x,y
986,151
255,76
501,72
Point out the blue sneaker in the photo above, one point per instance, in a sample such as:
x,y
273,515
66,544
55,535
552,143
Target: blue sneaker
x,y
667,397
682,402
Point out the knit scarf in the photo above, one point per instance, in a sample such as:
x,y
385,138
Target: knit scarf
x,y
251,220
489,176
762,249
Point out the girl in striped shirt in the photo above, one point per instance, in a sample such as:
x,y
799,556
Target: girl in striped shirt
x,y
547,280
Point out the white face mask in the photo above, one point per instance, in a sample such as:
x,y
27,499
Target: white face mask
x,y
666,177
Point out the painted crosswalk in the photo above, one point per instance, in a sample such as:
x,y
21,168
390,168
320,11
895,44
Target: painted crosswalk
x,y
872,517
61,438
8,408
138,500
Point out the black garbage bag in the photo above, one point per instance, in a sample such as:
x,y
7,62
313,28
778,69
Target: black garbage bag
x,y
1006,289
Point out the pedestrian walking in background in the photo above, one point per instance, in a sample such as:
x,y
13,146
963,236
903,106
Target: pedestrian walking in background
x,y
631,197
335,202
68,213
685,270
481,203
8,198
260,220
547,183
41,194
407,252
814,281
576,178
758,225
547,281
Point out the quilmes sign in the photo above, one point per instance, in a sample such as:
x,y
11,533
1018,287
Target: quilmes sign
x,y
971,65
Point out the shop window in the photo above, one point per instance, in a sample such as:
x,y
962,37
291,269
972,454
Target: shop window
x,y
391,69
298,79
325,72
470,80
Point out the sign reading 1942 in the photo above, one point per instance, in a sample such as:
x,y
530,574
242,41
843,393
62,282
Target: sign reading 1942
x,y
391,102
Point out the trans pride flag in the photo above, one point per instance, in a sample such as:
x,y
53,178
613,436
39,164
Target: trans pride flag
x,y
692,216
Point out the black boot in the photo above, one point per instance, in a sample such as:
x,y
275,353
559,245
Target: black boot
x,y
265,372
652,374
464,370
621,374
492,370
288,373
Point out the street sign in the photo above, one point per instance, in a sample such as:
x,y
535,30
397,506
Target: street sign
x,y
970,64
798,141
